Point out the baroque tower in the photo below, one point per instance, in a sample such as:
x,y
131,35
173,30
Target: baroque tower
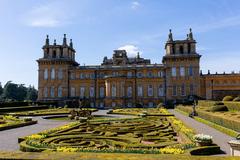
x,y
53,72
182,67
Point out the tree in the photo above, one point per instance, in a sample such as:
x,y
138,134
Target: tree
x,y
1,91
31,93
14,91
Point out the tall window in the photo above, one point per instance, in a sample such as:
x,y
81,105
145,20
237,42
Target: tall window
x,y
150,74
91,91
82,92
102,92
59,91
60,73
150,90
129,91
45,73
129,74
52,91
183,90
174,73
72,92
139,74
160,91
190,71
82,76
182,71
181,49
191,89
160,73
114,90
140,91
52,73
72,75
45,92
174,91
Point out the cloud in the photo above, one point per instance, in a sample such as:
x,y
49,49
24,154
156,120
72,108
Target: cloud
x,y
219,24
135,5
131,50
48,15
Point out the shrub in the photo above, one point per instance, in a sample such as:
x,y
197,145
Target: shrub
x,y
228,98
218,103
237,99
206,150
219,108
27,119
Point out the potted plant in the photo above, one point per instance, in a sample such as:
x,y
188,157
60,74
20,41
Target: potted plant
x,y
203,140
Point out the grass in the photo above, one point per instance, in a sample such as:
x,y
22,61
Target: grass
x,y
222,129
104,156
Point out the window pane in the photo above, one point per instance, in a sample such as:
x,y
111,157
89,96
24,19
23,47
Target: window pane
x,y
182,71
174,74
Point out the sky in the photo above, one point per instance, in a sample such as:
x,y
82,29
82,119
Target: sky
x,y
98,27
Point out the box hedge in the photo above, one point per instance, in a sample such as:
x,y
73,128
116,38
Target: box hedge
x,y
228,123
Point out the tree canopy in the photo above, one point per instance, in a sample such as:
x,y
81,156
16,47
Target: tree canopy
x,y
17,92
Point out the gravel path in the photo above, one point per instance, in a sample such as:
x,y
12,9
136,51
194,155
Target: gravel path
x,y
9,138
219,138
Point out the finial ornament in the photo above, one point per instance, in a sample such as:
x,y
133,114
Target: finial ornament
x,y
190,36
64,40
138,55
47,41
71,43
54,43
170,37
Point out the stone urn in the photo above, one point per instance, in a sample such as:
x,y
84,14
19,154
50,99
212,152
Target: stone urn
x,y
234,147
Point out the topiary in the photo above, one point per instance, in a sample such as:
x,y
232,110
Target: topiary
x,y
228,98
237,99
218,108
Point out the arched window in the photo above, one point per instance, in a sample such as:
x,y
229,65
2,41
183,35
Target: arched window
x,y
140,91
54,54
59,91
72,92
101,92
129,91
60,73
150,90
181,49
82,92
160,91
114,91
45,92
52,73
91,92
45,73
52,91
183,90
189,48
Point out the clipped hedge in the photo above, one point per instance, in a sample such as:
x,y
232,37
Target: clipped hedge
x,y
24,108
206,150
228,123
237,99
231,105
18,125
227,98
218,108
13,104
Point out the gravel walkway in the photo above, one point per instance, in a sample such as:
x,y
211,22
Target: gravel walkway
x,y
9,138
219,138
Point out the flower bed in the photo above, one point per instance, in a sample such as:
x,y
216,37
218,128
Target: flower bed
x,y
139,111
10,122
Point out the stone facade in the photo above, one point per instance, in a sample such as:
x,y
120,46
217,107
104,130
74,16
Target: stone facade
x,y
121,80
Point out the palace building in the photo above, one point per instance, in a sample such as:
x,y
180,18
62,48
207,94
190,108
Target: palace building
x,y
128,82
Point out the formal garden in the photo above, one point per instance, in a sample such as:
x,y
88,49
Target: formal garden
x,y
222,115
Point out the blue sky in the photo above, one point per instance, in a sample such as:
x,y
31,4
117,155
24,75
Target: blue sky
x,y
97,27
